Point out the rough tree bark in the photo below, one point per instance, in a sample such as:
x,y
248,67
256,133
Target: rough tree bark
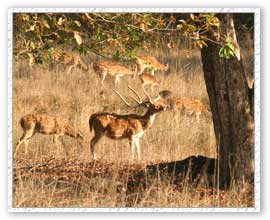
x,y
230,104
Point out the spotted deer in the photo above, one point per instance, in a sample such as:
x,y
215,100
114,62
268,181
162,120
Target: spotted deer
x,y
111,68
192,107
67,59
72,60
185,105
149,79
44,124
149,62
131,126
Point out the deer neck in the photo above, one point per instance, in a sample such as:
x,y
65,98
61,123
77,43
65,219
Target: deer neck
x,y
149,118
138,70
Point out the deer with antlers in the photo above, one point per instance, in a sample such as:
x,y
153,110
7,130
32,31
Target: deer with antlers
x,y
44,124
131,126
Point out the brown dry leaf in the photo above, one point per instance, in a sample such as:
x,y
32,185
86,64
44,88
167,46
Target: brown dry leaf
x,y
77,38
31,60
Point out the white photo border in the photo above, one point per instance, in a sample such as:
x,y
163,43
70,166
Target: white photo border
x,y
257,52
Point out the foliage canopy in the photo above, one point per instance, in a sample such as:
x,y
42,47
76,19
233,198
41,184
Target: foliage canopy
x,y
42,37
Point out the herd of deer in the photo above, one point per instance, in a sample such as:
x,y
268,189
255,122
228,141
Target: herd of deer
x,y
114,126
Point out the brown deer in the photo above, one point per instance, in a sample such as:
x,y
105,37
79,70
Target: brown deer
x,y
113,69
149,79
131,126
44,124
192,107
68,59
73,60
185,105
149,62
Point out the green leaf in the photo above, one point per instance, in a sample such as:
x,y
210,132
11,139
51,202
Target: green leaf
x,y
228,49
231,46
228,39
116,55
221,52
226,52
231,53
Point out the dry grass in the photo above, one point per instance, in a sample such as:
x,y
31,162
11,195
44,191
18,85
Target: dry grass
x,y
173,137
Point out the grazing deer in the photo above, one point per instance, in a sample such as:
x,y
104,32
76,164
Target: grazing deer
x,y
131,126
149,62
110,68
192,107
148,79
43,124
70,59
185,105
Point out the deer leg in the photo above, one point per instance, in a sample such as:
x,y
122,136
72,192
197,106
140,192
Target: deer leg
x,y
69,69
93,142
198,114
192,114
139,70
143,68
132,145
25,139
143,86
19,144
137,142
116,80
152,87
56,143
81,144
102,77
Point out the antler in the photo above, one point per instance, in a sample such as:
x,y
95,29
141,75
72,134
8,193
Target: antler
x,y
122,98
137,94
140,101
148,96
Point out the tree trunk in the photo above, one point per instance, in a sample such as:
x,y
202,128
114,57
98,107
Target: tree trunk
x,y
230,104
245,38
